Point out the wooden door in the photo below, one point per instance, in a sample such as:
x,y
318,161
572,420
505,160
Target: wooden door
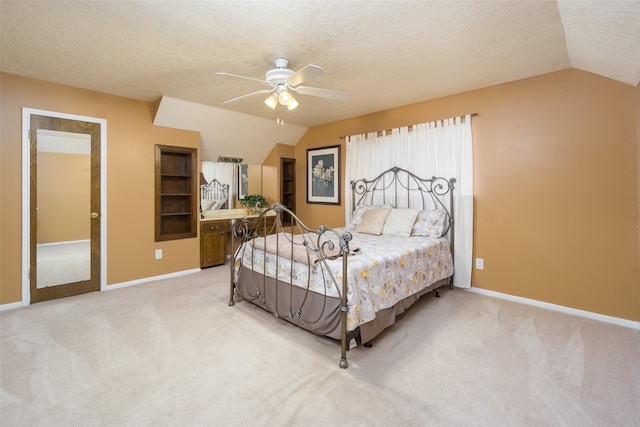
x,y
72,197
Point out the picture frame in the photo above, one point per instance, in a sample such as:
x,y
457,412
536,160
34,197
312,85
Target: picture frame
x,y
243,181
323,175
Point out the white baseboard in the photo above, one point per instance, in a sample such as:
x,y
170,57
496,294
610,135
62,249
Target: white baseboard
x,y
582,313
11,306
18,304
151,279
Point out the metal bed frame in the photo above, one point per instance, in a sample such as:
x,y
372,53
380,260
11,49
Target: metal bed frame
x,y
306,308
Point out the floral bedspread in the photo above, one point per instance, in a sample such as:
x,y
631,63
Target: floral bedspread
x,y
386,270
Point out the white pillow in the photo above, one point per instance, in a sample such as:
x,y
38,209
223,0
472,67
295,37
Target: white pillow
x,y
400,222
373,220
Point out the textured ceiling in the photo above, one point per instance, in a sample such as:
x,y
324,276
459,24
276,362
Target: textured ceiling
x,y
384,53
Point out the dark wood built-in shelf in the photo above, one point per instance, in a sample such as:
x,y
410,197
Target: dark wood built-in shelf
x,y
288,184
176,193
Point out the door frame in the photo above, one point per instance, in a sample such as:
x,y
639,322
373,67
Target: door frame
x,y
26,194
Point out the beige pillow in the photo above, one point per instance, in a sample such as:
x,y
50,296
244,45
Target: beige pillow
x,y
400,222
358,213
373,221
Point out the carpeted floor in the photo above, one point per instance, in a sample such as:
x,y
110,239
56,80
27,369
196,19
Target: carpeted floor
x,y
174,353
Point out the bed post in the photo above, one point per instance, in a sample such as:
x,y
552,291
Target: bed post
x,y
344,302
232,263
353,197
452,184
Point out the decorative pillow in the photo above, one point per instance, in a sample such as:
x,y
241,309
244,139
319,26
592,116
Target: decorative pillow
x,y
373,220
429,223
356,217
400,222
206,204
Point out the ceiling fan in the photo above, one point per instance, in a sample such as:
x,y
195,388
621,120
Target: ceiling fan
x,y
283,82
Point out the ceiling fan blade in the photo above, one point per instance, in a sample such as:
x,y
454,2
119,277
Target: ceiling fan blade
x,y
323,93
305,74
242,77
248,95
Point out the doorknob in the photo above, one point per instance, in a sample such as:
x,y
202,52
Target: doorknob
x,y
94,215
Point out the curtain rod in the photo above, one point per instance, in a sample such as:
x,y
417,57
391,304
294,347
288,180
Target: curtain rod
x,y
411,126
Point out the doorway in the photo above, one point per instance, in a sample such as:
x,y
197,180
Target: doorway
x,y
63,221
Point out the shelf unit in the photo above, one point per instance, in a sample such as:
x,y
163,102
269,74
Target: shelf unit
x,y
176,193
288,183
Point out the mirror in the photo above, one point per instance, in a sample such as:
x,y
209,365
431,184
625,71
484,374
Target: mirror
x,y
254,174
63,225
242,179
216,185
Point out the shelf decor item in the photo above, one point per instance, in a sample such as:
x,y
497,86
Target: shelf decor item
x,y
323,175
254,203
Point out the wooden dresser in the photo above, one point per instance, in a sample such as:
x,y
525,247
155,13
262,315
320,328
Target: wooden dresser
x,y
215,235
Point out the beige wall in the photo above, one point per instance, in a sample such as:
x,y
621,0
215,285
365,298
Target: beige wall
x,y
271,187
556,186
638,141
131,137
255,179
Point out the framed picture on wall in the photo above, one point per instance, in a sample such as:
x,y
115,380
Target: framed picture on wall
x,y
243,181
323,175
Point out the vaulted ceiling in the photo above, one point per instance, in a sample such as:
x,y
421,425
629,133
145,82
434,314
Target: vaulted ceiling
x,y
384,53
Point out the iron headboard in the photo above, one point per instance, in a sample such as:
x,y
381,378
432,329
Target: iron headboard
x,y
403,189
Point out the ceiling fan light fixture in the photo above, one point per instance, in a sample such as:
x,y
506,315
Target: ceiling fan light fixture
x,y
272,101
284,97
293,103
284,81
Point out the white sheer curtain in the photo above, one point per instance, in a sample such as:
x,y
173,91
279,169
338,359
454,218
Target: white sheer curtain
x,y
224,172
442,148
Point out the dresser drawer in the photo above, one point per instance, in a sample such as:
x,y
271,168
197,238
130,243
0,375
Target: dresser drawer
x,y
214,226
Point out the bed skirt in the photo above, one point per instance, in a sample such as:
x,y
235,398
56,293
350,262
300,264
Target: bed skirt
x,y
317,313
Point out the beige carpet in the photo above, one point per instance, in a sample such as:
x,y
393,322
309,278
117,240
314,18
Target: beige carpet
x,y
174,353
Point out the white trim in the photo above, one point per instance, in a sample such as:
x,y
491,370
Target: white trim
x,y
19,304
26,171
151,279
10,306
568,310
